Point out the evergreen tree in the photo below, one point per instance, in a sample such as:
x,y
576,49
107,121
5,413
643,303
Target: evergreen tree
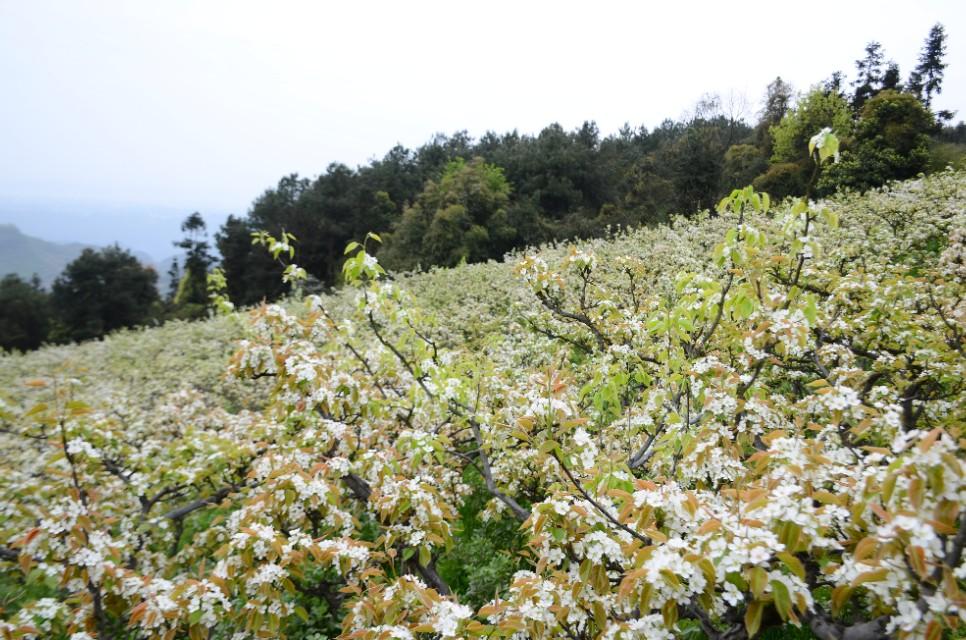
x,y
24,313
251,272
191,296
890,142
777,102
926,79
868,81
834,84
462,216
102,291
891,79
174,279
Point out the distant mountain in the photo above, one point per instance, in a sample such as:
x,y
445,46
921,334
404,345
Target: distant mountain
x,y
26,255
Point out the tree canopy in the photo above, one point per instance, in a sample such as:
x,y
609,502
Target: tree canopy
x,y
103,290
24,313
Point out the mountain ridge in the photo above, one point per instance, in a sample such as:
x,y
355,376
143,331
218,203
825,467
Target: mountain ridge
x,y
26,255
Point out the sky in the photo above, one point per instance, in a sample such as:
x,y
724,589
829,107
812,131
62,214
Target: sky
x,y
118,118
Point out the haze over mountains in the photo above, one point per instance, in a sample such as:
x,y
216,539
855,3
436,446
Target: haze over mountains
x,y
27,255
150,230
43,237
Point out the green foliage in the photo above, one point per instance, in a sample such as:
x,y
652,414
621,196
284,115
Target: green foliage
x,y
191,299
815,111
462,216
926,79
487,554
742,163
102,291
251,275
24,313
562,184
783,179
946,154
891,142
869,75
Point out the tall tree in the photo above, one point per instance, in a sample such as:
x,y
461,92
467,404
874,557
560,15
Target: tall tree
x,y
926,79
790,164
834,84
24,313
891,78
869,74
778,100
891,142
191,297
174,279
102,291
250,272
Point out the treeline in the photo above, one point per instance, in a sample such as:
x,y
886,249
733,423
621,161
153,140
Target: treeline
x,y
103,290
456,198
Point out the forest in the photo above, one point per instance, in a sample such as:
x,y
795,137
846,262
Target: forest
x,y
457,199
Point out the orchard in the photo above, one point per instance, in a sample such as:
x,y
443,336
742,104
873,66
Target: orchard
x,y
743,423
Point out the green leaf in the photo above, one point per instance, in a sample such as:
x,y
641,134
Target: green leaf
x,y
794,564
753,617
757,580
783,601
37,408
810,310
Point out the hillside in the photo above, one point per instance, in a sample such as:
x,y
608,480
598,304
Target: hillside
x,y
454,292
721,426
26,255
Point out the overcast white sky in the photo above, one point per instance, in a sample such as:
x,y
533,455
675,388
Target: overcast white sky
x,y
172,106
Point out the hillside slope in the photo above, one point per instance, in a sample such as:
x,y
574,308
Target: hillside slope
x,y
724,426
478,299
26,255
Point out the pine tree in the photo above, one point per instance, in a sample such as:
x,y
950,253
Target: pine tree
x,y
174,277
868,81
192,291
834,84
890,79
777,102
926,79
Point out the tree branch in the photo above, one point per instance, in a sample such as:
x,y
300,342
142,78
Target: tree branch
x,y
597,505
518,511
602,341
359,487
184,510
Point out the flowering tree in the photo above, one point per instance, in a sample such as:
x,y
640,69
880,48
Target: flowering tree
x,y
714,428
